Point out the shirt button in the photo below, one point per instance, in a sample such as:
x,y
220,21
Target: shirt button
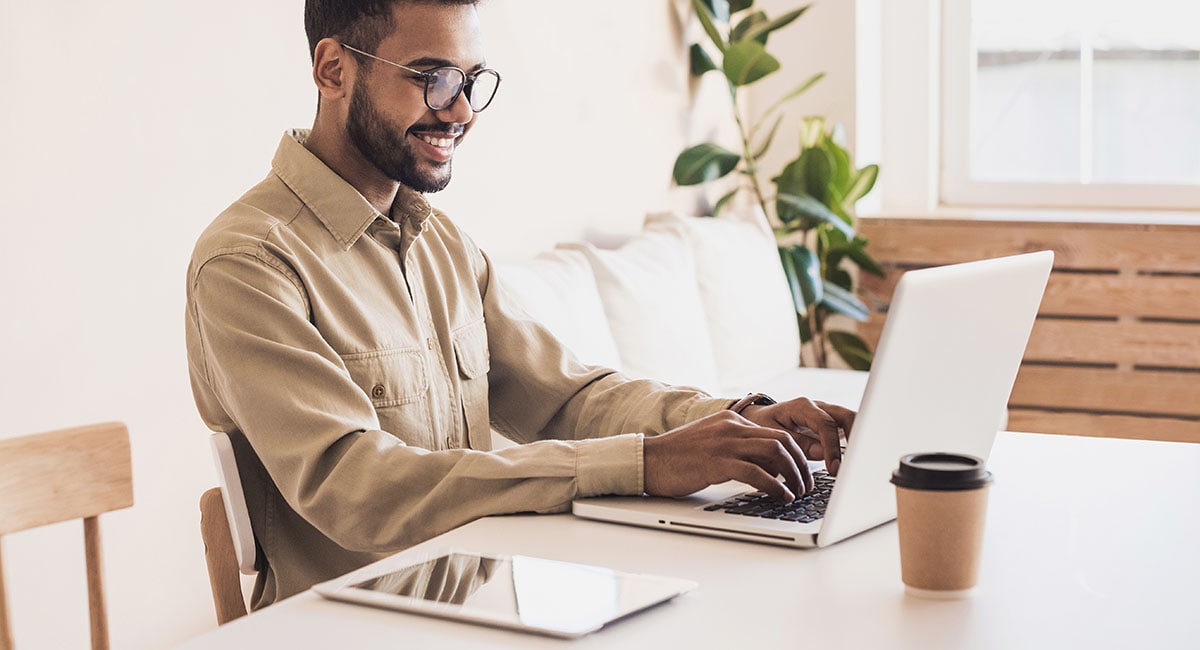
x,y
429,343
378,391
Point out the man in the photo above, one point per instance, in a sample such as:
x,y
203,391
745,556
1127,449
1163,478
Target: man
x,y
356,345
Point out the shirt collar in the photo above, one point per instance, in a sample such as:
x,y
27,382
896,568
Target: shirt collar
x,y
344,212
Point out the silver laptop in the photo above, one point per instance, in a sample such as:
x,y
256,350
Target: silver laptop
x,y
943,371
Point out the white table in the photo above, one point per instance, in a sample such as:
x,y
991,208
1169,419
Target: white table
x,y
1091,543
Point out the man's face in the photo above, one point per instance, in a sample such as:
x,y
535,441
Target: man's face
x,y
388,120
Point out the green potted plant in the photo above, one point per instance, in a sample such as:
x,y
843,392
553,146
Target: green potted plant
x,y
811,207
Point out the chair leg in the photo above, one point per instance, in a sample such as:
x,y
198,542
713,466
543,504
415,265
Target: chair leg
x,y
95,580
6,642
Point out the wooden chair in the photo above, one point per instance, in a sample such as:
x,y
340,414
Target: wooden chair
x,y
76,473
229,546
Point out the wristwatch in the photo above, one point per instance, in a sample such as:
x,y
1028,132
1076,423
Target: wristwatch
x,y
753,399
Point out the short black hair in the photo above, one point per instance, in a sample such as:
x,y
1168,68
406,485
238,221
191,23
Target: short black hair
x,y
360,23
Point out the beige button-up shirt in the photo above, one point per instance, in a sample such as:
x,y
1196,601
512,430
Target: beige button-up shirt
x,y
357,361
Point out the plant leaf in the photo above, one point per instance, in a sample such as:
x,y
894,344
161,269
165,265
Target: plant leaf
x,y
762,149
803,270
860,185
803,205
782,21
707,21
701,62
794,93
704,162
851,348
811,130
720,204
836,276
839,300
858,252
738,32
739,5
841,167
818,167
747,62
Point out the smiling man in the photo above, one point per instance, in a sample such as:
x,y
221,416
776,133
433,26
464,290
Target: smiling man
x,y
357,347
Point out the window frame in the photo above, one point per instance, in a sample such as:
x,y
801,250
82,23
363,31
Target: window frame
x,y
956,188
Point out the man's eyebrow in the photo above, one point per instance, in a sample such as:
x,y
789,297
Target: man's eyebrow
x,y
434,62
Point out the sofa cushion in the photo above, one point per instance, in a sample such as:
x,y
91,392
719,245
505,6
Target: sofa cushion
x,y
648,287
744,294
557,289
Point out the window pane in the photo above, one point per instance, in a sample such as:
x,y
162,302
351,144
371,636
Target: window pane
x,y
1096,91
1147,126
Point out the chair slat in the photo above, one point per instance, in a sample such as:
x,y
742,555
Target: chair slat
x,y
62,475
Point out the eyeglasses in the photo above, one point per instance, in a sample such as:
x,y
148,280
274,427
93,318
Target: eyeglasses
x,y
444,84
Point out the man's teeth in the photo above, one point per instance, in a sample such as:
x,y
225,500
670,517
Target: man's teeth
x,y
437,142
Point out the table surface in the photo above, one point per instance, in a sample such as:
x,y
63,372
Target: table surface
x,y
1090,543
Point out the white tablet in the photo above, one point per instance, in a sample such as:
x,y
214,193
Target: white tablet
x,y
517,592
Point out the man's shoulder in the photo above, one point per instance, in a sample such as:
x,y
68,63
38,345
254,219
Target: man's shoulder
x,y
250,221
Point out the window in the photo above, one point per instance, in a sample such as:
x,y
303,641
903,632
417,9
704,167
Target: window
x,y
1083,103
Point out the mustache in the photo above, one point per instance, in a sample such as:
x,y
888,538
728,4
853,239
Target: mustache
x,y
448,129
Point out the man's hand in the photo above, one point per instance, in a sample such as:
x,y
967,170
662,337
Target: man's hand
x,y
721,447
816,425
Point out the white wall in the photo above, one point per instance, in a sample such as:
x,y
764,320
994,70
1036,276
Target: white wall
x,y
129,125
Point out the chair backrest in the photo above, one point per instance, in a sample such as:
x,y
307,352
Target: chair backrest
x,y
76,473
234,497
229,545
223,577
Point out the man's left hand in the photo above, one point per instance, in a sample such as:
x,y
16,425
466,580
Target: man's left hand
x,y
815,425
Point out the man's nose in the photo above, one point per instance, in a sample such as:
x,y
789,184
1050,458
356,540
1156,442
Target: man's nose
x,y
459,112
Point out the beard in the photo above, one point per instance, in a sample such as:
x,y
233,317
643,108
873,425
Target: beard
x,y
390,151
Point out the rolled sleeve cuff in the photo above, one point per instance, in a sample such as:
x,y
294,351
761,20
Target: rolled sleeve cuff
x,y
609,465
705,406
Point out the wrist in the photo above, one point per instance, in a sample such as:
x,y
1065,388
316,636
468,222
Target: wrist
x,y
751,403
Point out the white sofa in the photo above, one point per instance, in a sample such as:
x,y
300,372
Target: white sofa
x,y
689,300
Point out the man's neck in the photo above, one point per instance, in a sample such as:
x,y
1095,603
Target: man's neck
x,y
345,161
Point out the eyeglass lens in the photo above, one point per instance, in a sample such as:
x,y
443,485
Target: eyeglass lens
x,y
444,84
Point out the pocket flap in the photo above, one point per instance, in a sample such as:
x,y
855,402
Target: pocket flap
x,y
471,350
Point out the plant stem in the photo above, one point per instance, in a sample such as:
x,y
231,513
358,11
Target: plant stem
x,y
748,158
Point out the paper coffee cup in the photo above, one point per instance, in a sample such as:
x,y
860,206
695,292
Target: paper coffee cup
x,y
941,505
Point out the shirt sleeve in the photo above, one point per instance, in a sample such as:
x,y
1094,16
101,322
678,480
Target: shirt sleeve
x,y
317,434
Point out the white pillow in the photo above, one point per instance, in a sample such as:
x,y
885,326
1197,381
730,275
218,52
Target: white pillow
x,y
648,287
745,296
557,289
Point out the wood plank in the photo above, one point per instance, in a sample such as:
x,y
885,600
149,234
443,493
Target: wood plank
x,y
1093,389
1106,426
223,575
1087,294
927,242
69,474
1153,344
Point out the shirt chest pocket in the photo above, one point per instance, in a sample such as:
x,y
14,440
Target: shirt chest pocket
x,y
473,361
390,378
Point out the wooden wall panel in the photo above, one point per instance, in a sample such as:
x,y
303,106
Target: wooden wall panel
x,y
1121,308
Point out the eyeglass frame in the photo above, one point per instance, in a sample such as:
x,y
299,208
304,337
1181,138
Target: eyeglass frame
x,y
428,76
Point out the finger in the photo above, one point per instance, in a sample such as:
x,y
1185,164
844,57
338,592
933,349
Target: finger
x,y
827,429
802,480
843,416
774,457
761,480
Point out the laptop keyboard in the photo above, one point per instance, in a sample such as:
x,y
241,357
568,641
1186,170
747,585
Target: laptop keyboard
x,y
806,509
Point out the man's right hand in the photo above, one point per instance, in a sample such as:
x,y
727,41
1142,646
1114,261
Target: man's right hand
x,y
721,447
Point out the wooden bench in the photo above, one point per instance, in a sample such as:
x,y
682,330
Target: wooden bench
x,y
1116,347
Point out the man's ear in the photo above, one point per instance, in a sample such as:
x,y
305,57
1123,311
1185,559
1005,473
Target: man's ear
x,y
330,69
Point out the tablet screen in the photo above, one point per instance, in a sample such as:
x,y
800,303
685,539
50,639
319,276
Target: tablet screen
x,y
520,591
